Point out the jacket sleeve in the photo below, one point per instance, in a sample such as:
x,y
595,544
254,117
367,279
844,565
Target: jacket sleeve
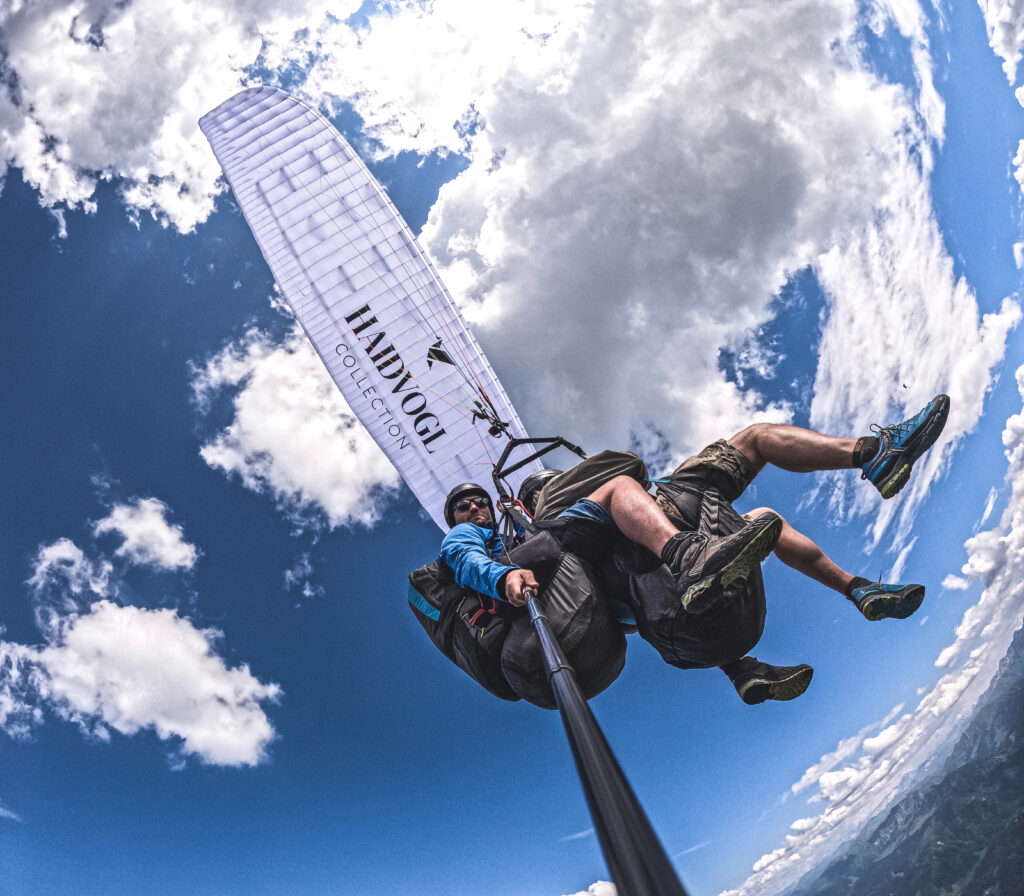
x,y
464,550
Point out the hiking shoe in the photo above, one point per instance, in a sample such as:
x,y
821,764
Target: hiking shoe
x,y
704,567
877,601
760,682
901,444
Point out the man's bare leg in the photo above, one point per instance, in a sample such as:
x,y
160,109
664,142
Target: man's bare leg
x,y
635,512
885,458
793,448
875,600
805,556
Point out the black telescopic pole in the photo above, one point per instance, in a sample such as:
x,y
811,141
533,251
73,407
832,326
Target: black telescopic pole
x,y
636,859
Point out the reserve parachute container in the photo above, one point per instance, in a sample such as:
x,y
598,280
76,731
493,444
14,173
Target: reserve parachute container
x,y
367,296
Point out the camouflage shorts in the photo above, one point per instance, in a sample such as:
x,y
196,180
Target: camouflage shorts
x,y
720,466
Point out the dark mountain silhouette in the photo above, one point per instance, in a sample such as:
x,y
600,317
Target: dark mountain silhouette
x,y
961,831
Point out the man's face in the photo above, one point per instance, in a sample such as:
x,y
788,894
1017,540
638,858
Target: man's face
x,y
473,512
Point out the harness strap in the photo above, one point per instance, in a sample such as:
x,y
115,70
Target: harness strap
x,y
492,611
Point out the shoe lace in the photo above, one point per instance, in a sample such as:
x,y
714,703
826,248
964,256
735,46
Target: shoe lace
x,y
895,431
898,431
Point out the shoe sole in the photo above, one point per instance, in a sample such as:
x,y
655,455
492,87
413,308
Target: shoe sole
x,y
933,427
759,690
888,606
753,553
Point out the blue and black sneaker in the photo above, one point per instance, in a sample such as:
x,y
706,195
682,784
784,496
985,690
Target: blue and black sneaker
x,y
878,601
901,444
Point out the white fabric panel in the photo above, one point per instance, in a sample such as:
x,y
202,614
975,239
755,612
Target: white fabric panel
x,y
365,293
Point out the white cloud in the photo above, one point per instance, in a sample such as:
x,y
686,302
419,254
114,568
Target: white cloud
x,y
64,565
695,848
990,504
7,813
64,579
129,669
106,89
149,540
1004,20
650,176
300,577
600,888
846,748
109,667
18,711
658,175
955,583
1018,173
866,774
292,434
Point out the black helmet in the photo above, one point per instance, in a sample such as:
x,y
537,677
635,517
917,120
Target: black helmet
x,y
466,488
529,491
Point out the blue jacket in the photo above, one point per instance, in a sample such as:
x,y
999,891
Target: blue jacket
x,y
473,553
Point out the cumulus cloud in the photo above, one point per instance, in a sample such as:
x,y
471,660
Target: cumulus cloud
x,y
63,564
110,90
1018,173
653,177
657,177
600,888
129,669
148,539
867,772
292,435
64,578
110,667
1004,20
846,749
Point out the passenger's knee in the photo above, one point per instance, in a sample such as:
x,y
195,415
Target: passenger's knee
x,y
753,433
619,489
748,442
761,511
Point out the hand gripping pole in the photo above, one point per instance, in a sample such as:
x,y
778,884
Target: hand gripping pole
x,y
636,859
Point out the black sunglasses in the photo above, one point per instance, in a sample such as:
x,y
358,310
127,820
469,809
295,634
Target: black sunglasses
x,y
479,500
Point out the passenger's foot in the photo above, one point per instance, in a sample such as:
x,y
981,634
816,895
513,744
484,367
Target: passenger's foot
x,y
876,600
704,567
902,444
756,682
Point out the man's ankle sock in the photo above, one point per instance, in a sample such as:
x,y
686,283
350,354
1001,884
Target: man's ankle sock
x,y
865,449
858,582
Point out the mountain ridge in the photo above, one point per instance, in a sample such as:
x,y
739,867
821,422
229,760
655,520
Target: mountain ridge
x,y
960,831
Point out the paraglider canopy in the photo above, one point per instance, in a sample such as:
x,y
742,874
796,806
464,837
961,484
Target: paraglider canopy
x,y
370,301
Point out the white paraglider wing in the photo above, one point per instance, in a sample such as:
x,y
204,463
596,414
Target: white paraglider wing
x,y
370,301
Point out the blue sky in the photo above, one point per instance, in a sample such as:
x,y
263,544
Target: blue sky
x,y
663,226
